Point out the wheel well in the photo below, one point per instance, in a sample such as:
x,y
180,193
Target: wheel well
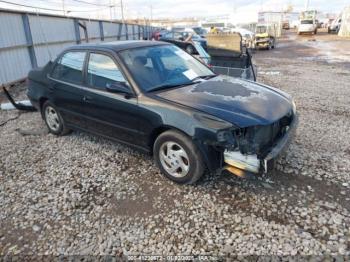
x,y
155,133
208,153
42,100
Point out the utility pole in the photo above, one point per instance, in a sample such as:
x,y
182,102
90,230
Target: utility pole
x,y
63,8
114,10
110,10
122,10
307,2
151,7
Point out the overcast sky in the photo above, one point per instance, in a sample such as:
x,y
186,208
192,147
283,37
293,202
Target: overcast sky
x,y
241,9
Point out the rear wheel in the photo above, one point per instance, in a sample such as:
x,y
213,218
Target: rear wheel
x,y
178,157
53,119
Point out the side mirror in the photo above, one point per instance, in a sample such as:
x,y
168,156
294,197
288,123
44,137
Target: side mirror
x,y
118,87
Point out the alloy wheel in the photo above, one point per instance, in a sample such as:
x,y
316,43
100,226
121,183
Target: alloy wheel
x,y
174,159
52,118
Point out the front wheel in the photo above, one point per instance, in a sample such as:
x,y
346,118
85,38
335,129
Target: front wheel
x,y
178,157
54,120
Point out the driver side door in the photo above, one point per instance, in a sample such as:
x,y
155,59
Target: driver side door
x,y
110,114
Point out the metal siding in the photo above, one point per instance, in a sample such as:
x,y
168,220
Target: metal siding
x,y
110,29
45,53
51,29
123,32
15,64
50,36
130,32
11,30
93,29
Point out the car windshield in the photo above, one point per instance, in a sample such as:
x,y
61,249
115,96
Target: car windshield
x,y
163,66
307,22
261,29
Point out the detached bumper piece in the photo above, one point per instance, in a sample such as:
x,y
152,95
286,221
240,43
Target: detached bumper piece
x,y
18,105
244,165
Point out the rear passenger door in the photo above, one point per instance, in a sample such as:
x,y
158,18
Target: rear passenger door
x,y
66,86
114,115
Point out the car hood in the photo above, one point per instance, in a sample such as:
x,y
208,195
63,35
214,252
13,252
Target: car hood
x,y
240,102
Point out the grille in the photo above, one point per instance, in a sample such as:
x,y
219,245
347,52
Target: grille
x,y
259,139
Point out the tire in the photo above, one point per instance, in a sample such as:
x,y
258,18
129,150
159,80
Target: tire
x,y
171,163
190,49
53,119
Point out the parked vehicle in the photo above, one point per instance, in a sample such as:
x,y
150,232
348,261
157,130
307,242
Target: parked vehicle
x,y
308,22
285,25
335,26
229,57
157,98
264,36
247,36
182,40
200,31
156,35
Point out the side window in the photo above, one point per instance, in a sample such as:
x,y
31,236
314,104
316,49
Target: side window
x,y
178,36
102,71
70,67
168,35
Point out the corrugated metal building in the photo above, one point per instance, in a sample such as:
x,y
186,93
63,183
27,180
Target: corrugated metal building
x,y
28,40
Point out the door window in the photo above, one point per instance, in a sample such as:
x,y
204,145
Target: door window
x,y
69,67
103,72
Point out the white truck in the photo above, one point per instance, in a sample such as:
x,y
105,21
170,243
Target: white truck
x,y
307,22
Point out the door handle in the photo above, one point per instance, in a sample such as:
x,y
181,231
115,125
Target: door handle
x,y
87,99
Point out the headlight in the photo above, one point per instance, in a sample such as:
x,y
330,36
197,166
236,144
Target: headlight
x,y
212,121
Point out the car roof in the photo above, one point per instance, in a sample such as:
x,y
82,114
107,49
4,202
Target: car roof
x,y
118,45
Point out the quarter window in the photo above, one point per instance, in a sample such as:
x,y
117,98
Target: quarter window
x,y
70,67
103,72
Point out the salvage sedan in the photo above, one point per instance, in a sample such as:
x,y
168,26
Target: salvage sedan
x,y
157,98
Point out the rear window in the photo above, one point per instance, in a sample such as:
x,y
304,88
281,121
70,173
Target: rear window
x,y
69,67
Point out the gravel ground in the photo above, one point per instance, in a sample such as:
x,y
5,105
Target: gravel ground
x,y
83,195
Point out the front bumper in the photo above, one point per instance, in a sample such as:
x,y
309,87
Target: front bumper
x,y
251,163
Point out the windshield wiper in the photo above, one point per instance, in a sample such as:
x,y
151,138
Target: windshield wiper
x,y
167,86
203,77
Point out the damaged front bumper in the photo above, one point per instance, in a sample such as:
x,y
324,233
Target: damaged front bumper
x,y
244,164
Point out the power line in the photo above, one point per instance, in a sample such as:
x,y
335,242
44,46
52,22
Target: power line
x,y
43,8
53,9
89,3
